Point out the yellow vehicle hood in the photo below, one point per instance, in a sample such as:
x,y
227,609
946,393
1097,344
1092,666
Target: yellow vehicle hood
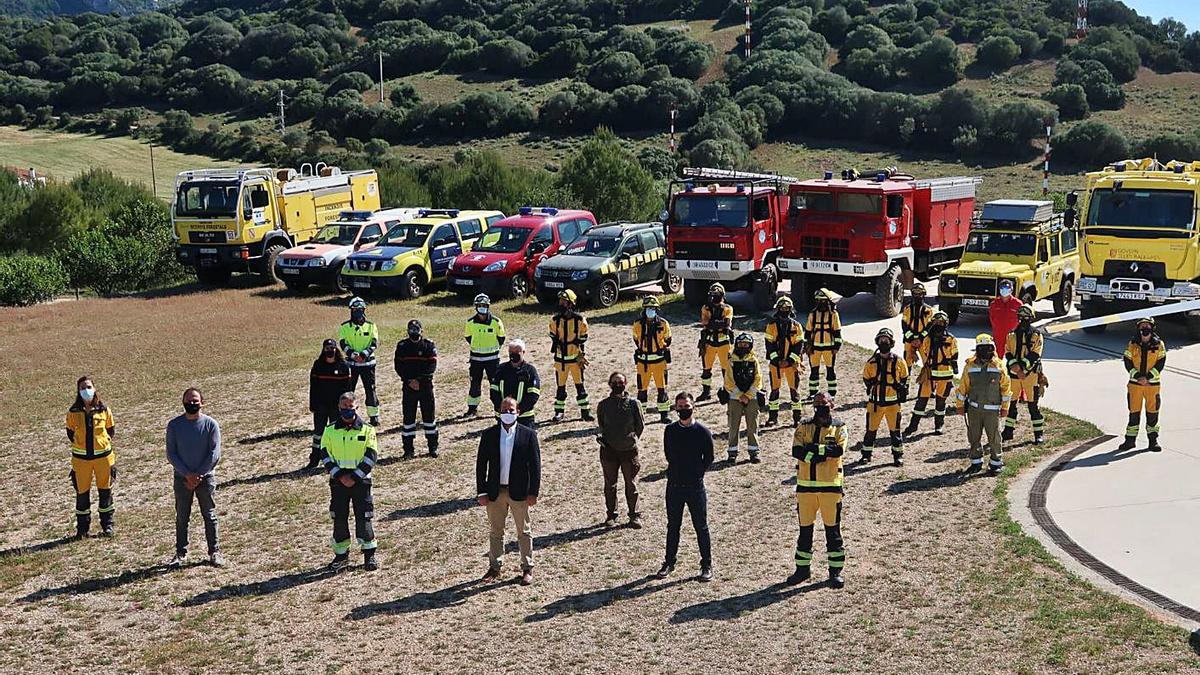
x,y
992,268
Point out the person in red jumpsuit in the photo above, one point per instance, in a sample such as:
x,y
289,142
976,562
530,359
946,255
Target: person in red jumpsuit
x,y
1003,312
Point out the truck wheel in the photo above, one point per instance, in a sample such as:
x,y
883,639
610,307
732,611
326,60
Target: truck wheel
x,y
1064,300
266,266
951,310
412,286
295,286
889,293
765,287
801,292
606,295
336,283
671,283
1028,297
1090,311
1192,321
547,298
518,286
695,292
213,276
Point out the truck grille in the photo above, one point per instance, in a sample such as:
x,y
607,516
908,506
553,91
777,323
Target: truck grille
x,y
704,250
367,265
824,249
555,274
977,286
1145,270
207,237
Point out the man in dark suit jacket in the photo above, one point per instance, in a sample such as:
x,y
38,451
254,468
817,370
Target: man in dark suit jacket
x,y
508,477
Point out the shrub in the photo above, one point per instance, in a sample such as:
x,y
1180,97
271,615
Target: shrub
x,y
506,56
28,279
1113,48
998,52
350,81
936,63
53,214
661,163
1091,144
1102,89
605,175
615,70
132,251
1071,101
1168,146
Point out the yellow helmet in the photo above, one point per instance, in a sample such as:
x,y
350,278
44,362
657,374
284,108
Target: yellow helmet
x,y
784,302
886,333
918,288
650,301
822,294
941,317
717,288
568,295
1146,319
984,339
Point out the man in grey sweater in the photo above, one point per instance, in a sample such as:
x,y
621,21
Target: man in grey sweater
x,y
193,449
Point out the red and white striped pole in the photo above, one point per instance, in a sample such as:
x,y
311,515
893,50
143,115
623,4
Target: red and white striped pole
x,y
747,42
1081,20
1046,163
674,113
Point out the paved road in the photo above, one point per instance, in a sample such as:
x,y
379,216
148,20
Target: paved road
x,y
1137,511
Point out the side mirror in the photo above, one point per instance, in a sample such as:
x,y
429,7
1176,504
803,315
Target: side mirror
x,y
625,255
247,214
662,217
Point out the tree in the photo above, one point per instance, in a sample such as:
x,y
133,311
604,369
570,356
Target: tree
x,y
377,149
615,70
1112,48
353,80
659,162
605,175
53,214
936,62
404,96
506,56
1070,99
1090,144
998,52
874,69
833,23
1102,90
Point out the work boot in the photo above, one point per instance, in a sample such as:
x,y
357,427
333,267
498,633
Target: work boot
x,y
635,521
314,460
797,416
706,573
995,467
374,420
409,453
1007,434
835,577
866,455
912,427
558,416
1153,446
340,562
665,571
106,527
897,459
370,562
754,458
472,411
409,447
975,466
772,418
802,574
586,414
1130,442
705,394
664,418
82,525
937,428
433,451
1039,438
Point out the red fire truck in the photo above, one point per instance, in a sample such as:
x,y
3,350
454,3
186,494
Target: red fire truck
x,y
726,226
873,232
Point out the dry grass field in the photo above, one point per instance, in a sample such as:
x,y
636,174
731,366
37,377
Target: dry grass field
x,y
939,579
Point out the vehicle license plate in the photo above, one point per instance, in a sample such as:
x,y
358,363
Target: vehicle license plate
x,y
976,302
555,284
288,271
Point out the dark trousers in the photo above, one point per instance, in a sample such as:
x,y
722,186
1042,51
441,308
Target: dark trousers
x,y
421,398
530,422
477,370
367,375
340,500
322,417
205,494
626,465
696,501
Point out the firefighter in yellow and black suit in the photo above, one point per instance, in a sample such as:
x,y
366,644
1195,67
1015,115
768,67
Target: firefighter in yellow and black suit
x,y
351,450
1023,352
785,345
914,323
652,354
359,339
90,429
716,338
885,377
568,335
818,446
939,359
824,332
1145,360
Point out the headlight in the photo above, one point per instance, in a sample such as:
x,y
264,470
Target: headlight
x,y
950,282
450,267
537,273
316,262
579,275
496,266
387,266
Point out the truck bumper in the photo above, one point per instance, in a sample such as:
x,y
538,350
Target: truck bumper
x,y
307,275
836,268
236,258
360,283
710,270
492,285
1134,292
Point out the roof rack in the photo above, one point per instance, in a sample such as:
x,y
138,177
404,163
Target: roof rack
x,y
449,213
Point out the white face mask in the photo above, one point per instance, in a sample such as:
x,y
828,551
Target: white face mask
x,y
1005,292
87,393
651,314
508,418
481,310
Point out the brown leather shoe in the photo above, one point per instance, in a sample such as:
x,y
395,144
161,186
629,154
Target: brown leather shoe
x,y
527,577
491,575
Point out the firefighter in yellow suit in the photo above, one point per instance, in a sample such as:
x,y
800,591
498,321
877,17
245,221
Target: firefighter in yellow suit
x,y
818,446
652,354
939,359
716,338
1023,353
824,331
785,345
984,394
568,335
1145,360
90,429
914,323
885,377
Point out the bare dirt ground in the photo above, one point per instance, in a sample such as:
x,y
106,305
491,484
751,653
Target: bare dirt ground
x,y
938,578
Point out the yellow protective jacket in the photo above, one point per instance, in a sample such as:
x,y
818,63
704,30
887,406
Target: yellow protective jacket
x,y
940,356
350,450
818,449
1023,348
357,338
1147,360
824,329
651,340
985,385
886,377
90,431
716,324
784,339
914,320
484,337
568,333
744,375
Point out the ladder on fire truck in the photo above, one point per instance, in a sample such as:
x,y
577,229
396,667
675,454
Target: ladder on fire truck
x,y
729,176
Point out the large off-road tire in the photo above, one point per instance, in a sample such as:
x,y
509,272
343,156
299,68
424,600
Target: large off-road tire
x,y
765,287
413,285
336,283
1064,300
695,292
547,297
670,283
1192,321
951,310
889,293
1089,310
518,286
1028,297
607,293
266,266
801,292
213,276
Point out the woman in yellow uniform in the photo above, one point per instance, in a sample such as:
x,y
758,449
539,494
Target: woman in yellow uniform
x,y
819,445
90,430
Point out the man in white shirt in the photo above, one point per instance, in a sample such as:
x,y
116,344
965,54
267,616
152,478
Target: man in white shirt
x,y
508,473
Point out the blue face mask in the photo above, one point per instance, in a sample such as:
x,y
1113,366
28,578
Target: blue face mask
x,y
347,413
482,310
87,394
652,314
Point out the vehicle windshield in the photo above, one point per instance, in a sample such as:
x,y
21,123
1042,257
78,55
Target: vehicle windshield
x,y
1002,243
207,199
838,202
1152,209
600,247
341,234
712,211
409,235
504,239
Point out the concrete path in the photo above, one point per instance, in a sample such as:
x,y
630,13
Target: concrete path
x,y
1136,512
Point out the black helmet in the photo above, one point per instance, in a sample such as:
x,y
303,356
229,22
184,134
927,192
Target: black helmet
x,y
414,326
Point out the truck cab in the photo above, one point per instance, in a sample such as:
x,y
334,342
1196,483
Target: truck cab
x,y
415,253
1022,241
320,260
725,226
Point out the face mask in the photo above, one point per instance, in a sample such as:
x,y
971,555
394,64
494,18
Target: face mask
x,y
87,393
515,357
414,335
329,355
651,314
685,413
347,413
821,411
1005,292
482,310
191,408
508,418
822,304
617,388
1143,331
741,352
986,354
936,329
885,347
358,315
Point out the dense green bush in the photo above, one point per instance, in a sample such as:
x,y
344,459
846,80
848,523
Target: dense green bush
x,y
998,52
132,251
1071,100
1091,144
29,279
607,177
1102,90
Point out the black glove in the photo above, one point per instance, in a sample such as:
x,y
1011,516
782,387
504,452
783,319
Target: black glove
x,y
667,352
761,398
723,396
902,391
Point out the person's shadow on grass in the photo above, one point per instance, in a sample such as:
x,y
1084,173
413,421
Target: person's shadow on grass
x,y
258,588
423,601
725,609
601,598
104,583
